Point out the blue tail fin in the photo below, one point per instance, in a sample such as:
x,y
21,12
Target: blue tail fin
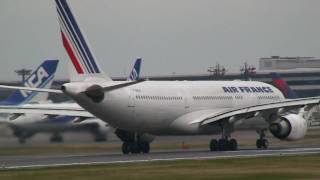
x,y
282,85
42,77
135,73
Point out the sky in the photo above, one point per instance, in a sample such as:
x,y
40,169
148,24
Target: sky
x,y
171,36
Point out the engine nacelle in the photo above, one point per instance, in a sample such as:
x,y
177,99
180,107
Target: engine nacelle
x,y
290,127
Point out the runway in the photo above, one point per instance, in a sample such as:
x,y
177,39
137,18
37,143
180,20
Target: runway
x,y
16,162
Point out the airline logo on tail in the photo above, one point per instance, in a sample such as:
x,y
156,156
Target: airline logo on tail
x,y
282,85
37,78
135,73
74,42
42,77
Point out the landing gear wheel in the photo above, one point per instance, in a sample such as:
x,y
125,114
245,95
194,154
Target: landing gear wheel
x,y
145,147
262,144
214,145
259,144
223,144
125,148
233,145
134,148
265,144
56,138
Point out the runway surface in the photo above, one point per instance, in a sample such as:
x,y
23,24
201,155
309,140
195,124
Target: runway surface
x,y
15,162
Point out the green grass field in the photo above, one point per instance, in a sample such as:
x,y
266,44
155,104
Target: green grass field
x,y
283,167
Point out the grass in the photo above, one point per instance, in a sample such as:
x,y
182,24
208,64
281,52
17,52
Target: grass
x,y
283,167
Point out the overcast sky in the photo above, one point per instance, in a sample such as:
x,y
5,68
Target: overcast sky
x,y
181,36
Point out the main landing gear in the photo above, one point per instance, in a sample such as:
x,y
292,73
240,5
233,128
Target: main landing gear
x,y
223,144
132,143
135,147
262,142
56,138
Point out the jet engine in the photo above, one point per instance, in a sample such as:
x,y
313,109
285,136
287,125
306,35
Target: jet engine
x,y
289,127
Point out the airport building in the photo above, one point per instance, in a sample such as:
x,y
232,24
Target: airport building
x,y
285,63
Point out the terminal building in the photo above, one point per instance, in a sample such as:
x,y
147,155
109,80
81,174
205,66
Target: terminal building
x,y
287,63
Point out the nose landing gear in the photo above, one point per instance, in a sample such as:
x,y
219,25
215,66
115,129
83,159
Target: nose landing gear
x,y
262,142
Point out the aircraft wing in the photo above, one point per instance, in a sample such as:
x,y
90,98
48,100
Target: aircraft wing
x,y
252,111
64,109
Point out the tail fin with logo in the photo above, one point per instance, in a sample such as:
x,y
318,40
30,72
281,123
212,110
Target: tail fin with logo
x,y
42,77
135,73
282,85
76,46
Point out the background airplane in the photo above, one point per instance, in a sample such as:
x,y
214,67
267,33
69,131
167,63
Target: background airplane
x,y
42,77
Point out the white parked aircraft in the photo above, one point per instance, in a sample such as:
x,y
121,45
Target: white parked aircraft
x,y
141,108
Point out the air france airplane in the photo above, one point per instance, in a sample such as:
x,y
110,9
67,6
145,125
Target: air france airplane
x,y
138,109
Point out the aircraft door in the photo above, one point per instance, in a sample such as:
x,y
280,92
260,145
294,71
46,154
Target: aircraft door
x,y
131,103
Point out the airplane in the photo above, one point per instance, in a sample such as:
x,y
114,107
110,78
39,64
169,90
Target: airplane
x,y
27,125
140,110
42,77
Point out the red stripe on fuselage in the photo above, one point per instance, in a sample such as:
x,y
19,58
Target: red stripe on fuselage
x,y
71,54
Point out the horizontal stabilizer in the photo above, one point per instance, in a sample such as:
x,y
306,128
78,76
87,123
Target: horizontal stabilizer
x,y
48,109
32,89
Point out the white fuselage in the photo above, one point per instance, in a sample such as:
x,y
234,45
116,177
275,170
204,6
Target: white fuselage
x,y
155,106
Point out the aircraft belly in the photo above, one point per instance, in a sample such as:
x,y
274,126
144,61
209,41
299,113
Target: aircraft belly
x,y
156,117
253,123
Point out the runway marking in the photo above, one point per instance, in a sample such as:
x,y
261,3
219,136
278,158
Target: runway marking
x,y
287,152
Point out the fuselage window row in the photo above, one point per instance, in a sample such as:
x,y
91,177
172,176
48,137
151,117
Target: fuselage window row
x,y
213,97
167,98
269,97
